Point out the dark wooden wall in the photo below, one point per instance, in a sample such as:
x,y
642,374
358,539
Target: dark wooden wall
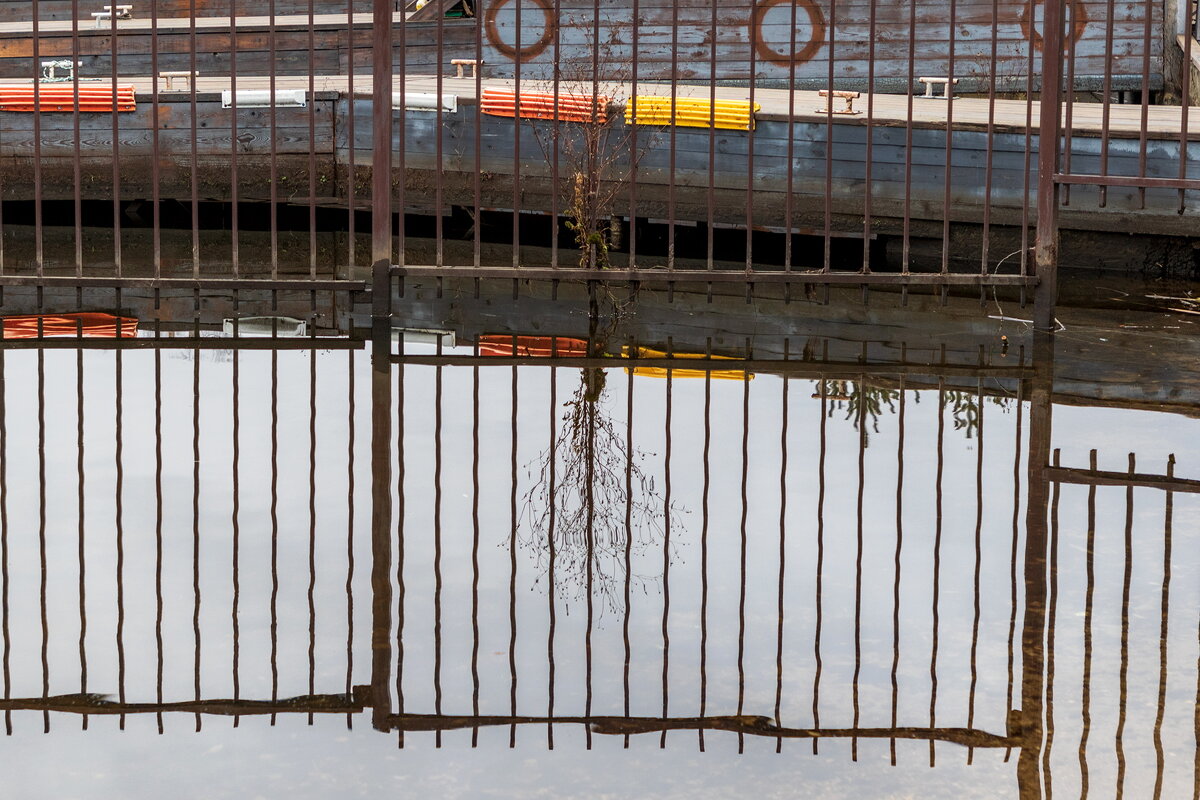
x,y
333,47
735,39
15,10
696,40
1012,188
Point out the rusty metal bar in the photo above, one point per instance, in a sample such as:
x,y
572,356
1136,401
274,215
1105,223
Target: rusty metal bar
x,y
264,284
381,476
662,276
791,367
381,132
1049,129
743,725
1095,477
1135,181
88,704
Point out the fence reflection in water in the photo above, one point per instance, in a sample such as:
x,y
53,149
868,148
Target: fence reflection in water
x,y
749,554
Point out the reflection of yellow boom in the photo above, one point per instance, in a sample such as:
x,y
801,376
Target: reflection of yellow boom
x,y
661,372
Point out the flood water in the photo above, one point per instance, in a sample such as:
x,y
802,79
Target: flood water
x,y
840,568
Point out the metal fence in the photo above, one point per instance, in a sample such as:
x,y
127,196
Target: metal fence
x,y
760,143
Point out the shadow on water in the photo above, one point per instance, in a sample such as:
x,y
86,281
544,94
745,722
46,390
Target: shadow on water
x,y
904,536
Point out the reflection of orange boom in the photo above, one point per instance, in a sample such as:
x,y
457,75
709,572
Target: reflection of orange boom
x,y
89,325
678,372
499,344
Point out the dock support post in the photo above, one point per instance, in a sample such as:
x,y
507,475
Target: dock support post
x,y
381,371
1049,133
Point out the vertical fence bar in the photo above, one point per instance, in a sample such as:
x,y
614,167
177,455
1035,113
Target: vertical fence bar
x,y
906,229
37,136
119,527
978,564
77,168
42,549
274,516
234,217
1049,128
195,526
312,138
475,548
860,495
1123,674
626,617
783,465
1085,701
273,127
512,561
402,144
1051,618
1163,631
235,526
1106,98
551,553
352,180
350,416
400,508
158,535
4,582
947,187
666,613
81,530
704,497
818,568
1185,94
896,584
937,564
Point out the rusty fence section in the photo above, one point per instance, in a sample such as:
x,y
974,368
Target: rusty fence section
x,y
776,146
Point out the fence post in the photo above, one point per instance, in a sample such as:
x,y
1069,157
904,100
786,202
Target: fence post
x,y
381,132
381,392
1045,248
1033,629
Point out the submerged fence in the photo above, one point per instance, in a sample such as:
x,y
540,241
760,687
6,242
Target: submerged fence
x,y
757,143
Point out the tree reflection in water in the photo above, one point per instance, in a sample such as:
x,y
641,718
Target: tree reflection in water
x,y
591,494
869,400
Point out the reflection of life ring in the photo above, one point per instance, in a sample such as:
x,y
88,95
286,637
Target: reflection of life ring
x,y
806,50
1079,21
527,51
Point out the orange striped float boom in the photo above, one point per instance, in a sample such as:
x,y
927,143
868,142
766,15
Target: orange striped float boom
x,y
503,344
89,325
98,99
571,107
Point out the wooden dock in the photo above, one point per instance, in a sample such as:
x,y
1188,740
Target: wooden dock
x,y
793,148
858,44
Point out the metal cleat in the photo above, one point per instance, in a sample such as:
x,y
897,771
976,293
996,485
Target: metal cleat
x,y
50,71
459,63
946,84
849,97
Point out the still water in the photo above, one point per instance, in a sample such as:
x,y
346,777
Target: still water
x,y
794,576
